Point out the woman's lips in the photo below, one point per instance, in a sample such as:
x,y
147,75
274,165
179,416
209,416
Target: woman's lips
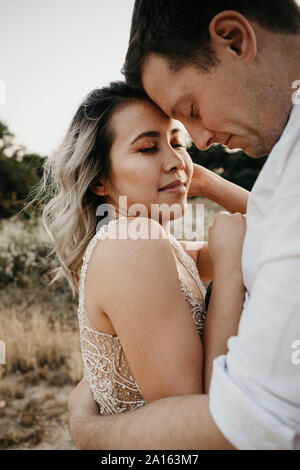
x,y
179,189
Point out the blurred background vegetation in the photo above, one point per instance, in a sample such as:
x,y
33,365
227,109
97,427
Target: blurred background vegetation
x,y
38,320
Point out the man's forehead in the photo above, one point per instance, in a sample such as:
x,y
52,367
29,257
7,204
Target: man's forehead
x,y
162,84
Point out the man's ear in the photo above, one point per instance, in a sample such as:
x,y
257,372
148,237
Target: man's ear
x,y
231,32
99,187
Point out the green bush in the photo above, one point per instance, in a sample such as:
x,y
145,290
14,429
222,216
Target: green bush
x,y
23,253
20,173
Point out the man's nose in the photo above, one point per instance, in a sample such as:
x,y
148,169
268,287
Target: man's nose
x,y
201,136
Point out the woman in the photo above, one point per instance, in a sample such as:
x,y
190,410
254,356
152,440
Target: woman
x,y
141,300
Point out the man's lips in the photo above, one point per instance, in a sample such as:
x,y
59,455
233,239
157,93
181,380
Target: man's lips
x,y
226,143
211,141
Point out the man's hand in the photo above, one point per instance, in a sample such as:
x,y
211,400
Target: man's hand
x,y
82,406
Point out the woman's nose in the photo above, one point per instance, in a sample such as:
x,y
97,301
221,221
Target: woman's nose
x,y
174,160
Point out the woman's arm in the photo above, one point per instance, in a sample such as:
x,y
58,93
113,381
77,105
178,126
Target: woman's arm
x,y
212,186
135,282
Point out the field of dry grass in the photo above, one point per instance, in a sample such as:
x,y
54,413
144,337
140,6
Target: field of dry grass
x,y
43,362
38,323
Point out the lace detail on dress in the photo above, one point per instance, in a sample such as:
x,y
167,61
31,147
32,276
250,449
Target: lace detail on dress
x,y
106,366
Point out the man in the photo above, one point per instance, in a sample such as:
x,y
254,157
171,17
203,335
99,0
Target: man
x,y
229,71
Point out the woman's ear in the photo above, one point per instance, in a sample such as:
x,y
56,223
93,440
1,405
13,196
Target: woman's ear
x,y
231,32
99,187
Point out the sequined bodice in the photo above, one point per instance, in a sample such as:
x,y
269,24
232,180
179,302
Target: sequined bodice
x,y
104,360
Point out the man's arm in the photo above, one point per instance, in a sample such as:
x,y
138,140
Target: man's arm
x,y
182,422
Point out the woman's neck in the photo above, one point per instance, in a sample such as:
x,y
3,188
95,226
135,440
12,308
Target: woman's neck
x,y
119,213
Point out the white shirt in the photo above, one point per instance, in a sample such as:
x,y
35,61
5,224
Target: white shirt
x,y
255,387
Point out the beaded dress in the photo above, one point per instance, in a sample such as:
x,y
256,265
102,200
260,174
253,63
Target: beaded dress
x,y
110,378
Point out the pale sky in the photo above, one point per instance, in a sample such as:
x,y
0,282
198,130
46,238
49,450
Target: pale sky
x,y
52,53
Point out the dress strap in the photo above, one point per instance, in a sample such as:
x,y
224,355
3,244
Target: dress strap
x,y
87,255
188,262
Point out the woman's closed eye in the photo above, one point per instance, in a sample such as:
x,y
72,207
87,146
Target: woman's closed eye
x,y
155,149
148,150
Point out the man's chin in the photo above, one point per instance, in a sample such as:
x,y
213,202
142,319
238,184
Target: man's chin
x,y
257,154
253,154
254,151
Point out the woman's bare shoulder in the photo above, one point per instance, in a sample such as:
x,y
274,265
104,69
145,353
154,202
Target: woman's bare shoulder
x,y
135,248
128,234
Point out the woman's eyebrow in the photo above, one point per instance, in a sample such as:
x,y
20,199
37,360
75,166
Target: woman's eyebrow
x,y
152,134
146,134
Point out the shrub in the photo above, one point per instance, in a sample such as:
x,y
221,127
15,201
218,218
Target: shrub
x,y
23,252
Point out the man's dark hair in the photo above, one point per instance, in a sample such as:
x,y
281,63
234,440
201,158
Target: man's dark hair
x,y
179,29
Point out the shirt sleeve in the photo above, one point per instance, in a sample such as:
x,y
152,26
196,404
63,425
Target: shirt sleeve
x,y
255,387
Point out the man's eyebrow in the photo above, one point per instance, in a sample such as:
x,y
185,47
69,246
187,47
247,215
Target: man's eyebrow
x,y
153,134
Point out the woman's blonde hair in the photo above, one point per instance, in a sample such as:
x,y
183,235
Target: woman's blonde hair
x,y
69,215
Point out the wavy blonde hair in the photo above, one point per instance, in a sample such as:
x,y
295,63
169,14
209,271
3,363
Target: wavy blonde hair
x,y
69,215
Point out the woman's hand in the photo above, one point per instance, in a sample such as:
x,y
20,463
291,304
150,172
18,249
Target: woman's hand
x,y
226,239
197,184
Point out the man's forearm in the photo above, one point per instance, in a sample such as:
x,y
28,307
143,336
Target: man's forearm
x,y
181,422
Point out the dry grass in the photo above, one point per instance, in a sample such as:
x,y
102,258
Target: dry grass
x,y
33,415
43,364
17,437
39,325
35,341
38,320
